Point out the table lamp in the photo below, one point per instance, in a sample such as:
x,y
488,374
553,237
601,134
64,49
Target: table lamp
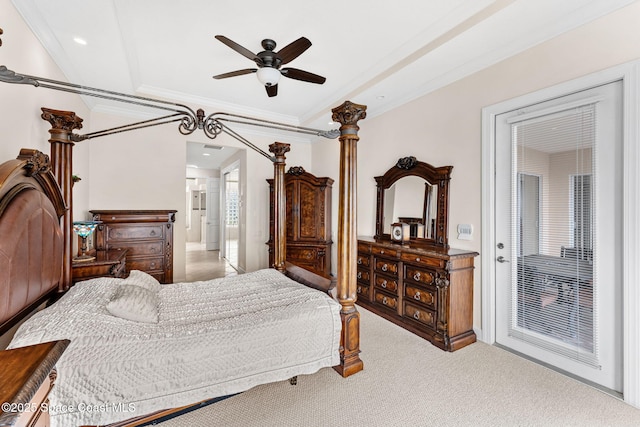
x,y
84,230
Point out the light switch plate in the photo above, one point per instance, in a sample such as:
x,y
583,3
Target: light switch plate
x,y
465,231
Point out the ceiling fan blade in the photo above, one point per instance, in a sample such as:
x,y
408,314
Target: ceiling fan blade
x,y
293,50
305,76
236,73
241,50
272,90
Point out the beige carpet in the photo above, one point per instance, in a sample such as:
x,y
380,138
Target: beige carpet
x,y
409,382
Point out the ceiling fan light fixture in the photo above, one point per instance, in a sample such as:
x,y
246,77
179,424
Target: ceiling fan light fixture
x,y
268,76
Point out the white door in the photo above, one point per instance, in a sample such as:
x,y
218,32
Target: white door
x,y
559,299
213,214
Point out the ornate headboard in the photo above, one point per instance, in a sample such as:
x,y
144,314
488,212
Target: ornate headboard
x,y
31,239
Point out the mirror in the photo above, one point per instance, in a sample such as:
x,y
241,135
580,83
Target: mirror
x,y
415,193
402,205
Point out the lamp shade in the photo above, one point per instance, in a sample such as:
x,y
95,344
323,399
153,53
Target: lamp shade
x,y
268,76
84,228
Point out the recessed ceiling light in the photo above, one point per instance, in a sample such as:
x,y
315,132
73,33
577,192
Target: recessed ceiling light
x,y
79,40
206,154
380,97
192,166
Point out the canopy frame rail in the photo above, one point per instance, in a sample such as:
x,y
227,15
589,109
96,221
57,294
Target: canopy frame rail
x,y
189,120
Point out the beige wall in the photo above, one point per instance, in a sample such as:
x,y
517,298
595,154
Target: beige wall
x,y
146,169
444,127
20,122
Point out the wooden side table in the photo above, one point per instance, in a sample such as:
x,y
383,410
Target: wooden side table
x,y
107,264
26,379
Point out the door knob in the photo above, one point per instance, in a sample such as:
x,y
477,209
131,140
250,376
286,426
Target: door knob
x,y
501,259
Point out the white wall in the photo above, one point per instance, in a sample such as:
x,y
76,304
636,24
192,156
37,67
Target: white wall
x,y
444,127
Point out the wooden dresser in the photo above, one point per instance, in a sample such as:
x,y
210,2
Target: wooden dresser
x,y
147,235
26,378
308,220
429,293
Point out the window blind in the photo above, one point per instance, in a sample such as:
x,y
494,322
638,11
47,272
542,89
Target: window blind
x,y
553,286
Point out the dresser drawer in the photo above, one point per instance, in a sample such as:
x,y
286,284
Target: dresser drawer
x,y
302,254
387,283
127,232
365,248
422,315
363,276
139,248
385,300
362,291
386,266
377,250
420,295
363,260
422,260
145,264
419,275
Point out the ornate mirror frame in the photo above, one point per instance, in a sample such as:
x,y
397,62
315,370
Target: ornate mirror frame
x,y
439,176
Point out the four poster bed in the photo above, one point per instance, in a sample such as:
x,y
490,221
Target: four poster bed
x,y
141,348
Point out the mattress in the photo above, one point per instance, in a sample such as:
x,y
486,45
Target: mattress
x,y
212,339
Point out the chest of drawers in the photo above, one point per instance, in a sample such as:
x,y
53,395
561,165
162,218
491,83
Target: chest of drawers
x,y
428,293
146,235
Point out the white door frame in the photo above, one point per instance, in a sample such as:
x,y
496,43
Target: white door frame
x,y
630,75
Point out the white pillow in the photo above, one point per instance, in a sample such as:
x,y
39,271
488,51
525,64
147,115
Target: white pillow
x,y
142,279
134,303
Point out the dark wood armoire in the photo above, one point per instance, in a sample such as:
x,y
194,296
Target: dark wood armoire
x,y
308,223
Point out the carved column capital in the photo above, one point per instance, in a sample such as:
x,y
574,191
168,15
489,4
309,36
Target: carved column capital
x,y
62,124
348,114
279,149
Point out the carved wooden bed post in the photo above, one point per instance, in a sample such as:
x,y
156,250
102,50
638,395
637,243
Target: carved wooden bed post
x,y
279,208
62,125
348,115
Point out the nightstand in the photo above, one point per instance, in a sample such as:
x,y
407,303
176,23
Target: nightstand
x,y
26,379
107,264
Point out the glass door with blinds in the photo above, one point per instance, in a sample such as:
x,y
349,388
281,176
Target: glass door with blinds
x,y
558,219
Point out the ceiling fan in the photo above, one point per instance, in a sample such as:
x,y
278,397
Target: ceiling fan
x,y
269,63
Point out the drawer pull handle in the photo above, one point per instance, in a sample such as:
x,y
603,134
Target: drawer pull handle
x,y
359,275
416,315
384,300
381,252
418,259
416,296
384,267
152,265
359,260
384,284
359,290
416,276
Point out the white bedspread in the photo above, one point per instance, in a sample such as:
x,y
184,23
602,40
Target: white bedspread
x,y
213,338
